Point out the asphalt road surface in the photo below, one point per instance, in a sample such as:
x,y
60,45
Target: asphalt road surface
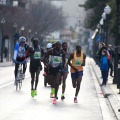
x,y
19,105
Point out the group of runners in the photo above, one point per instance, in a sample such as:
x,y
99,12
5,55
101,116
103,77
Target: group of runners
x,y
56,59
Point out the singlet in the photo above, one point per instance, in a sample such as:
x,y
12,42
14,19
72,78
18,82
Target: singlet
x,y
76,62
35,58
37,55
56,58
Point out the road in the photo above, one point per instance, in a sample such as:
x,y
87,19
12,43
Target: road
x,y
19,105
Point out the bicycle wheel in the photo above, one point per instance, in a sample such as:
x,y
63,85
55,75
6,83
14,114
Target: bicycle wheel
x,y
17,80
20,84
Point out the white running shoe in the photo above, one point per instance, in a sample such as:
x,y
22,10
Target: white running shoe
x,y
23,76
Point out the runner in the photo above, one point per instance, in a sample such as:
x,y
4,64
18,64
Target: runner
x,y
78,61
35,53
57,59
65,71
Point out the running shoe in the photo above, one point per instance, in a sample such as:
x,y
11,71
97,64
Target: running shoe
x,y
75,100
23,76
32,93
15,83
35,92
51,95
54,101
62,97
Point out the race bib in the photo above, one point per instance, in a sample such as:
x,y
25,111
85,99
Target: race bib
x,y
57,59
66,60
78,62
37,55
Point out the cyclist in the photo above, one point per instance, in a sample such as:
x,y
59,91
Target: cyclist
x,y
57,57
78,61
35,53
20,52
65,71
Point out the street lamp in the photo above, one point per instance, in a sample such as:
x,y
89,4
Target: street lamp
x,y
107,11
2,23
104,25
116,41
101,30
94,42
22,29
104,16
35,34
29,31
14,26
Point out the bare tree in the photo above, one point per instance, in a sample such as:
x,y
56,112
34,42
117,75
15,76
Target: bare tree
x,y
46,18
43,17
13,15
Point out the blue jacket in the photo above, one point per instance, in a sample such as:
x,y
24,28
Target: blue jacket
x,y
20,51
104,63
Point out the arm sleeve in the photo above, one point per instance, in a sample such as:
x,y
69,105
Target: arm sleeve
x,y
15,51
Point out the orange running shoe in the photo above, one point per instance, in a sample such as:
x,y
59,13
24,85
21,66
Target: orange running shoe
x,y
51,95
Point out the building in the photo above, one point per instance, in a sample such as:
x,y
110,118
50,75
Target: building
x,y
7,8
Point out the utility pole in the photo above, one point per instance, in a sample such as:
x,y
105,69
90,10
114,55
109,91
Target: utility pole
x,y
116,41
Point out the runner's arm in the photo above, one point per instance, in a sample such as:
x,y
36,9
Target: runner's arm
x,y
30,52
63,59
45,61
84,58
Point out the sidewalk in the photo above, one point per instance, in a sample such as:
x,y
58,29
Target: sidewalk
x,y
6,63
110,91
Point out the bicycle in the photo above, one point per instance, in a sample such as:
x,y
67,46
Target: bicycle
x,y
18,80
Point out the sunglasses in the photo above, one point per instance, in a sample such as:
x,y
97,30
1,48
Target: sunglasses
x,y
22,42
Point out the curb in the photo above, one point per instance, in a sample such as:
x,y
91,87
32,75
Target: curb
x,y
108,93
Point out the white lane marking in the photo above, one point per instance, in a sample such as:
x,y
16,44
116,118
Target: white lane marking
x,y
2,86
6,84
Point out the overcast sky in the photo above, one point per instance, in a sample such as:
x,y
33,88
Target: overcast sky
x,y
71,10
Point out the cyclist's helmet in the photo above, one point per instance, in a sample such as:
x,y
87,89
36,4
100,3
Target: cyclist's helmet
x,y
22,39
49,45
35,39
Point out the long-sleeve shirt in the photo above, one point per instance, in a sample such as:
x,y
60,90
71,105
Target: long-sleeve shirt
x,y
20,51
104,63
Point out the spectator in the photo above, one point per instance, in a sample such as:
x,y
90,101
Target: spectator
x,y
5,52
101,48
104,67
119,54
111,59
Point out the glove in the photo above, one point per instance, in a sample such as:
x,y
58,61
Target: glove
x,y
24,62
14,61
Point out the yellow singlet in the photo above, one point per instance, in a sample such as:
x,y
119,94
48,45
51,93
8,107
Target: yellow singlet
x,y
76,62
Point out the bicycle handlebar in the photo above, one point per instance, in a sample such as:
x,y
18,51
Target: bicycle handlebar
x,y
16,62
